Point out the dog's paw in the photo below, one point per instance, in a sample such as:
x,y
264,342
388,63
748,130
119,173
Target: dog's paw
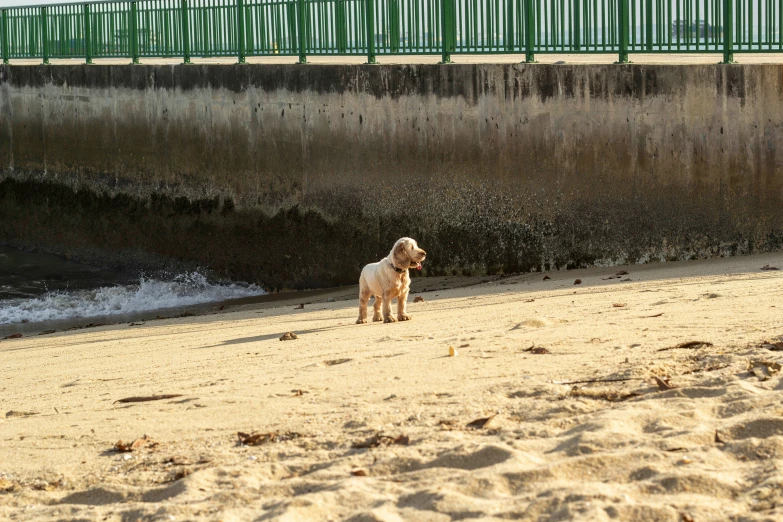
x,y
389,320
361,321
377,318
403,317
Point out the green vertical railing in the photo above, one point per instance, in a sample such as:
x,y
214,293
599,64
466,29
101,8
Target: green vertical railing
x,y
623,9
4,34
87,38
530,31
370,17
728,34
445,22
240,31
300,31
185,32
44,31
133,33
138,29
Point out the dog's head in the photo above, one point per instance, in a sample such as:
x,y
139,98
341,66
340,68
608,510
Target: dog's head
x,y
407,254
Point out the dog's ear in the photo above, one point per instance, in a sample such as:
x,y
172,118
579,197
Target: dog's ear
x,y
399,255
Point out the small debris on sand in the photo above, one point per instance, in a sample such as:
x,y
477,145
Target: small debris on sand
x,y
480,423
124,447
763,369
382,440
15,413
289,336
257,439
773,345
664,384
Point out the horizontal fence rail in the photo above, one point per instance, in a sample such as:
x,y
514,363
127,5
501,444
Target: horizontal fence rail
x,y
204,28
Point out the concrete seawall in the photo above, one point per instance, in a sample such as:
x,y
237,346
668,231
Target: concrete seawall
x,y
296,176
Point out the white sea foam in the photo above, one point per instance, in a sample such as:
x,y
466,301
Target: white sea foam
x,y
149,294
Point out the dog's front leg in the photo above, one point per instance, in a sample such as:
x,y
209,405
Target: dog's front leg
x,y
376,308
387,316
402,301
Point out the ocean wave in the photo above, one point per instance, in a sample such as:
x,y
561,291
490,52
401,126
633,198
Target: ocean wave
x,y
149,294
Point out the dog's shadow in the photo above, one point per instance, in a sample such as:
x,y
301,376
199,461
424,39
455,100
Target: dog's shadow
x,y
268,337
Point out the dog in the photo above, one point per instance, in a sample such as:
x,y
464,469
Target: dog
x,y
387,279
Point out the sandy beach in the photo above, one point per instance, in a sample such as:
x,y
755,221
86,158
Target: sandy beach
x,y
649,395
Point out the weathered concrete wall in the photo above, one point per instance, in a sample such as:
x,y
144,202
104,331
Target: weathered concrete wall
x,y
298,175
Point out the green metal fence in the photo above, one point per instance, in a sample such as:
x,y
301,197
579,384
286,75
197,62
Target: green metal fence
x,y
241,28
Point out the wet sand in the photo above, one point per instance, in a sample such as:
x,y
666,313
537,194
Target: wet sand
x,y
624,397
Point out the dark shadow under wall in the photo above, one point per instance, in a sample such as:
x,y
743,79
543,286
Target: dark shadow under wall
x,y
300,248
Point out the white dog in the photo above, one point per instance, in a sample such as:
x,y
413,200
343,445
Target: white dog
x,y
387,279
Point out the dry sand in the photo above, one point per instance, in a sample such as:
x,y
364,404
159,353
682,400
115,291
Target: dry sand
x,y
708,449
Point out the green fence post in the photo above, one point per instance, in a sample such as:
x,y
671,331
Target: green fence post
x,y
530,28
45,35
394,25
728,31
648,22
623,20
370,31
444,32
240,31
185,33
87,36
301,28
5,36
133,34
508,31
577,25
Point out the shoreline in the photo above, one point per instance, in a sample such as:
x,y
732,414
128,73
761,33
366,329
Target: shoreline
x,y
268,300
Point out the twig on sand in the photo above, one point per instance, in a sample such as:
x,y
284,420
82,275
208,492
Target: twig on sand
x,y
149,398
664,384
689,344
592,381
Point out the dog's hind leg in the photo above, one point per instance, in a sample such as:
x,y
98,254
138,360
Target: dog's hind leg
x,y
402,300
376,305
364,297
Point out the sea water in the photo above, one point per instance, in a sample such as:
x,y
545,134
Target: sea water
x,y
38,290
